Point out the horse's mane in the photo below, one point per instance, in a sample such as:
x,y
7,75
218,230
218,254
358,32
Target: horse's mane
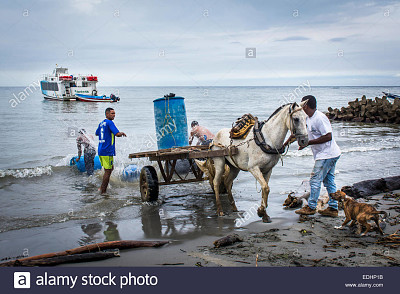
x,y
276,111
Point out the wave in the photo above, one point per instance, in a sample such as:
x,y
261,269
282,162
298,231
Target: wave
x,y
27,172
308,151
48,170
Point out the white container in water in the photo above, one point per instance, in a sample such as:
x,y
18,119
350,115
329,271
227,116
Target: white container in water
x,y
131,173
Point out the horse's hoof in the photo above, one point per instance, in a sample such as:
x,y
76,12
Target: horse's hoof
x,y
234,209
220,213
261,212
266,219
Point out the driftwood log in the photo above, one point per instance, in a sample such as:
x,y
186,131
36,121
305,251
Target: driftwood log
x,y
52,261
379,110
228,240
372,187
97,247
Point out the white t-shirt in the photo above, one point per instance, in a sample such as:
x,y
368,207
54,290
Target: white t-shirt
x,y
319,125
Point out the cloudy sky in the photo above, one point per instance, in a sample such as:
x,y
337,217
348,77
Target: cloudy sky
x,y
203,42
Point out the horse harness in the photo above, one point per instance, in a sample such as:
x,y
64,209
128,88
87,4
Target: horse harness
x,y
260,140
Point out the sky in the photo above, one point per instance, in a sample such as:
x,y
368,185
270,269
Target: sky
x,y
203,43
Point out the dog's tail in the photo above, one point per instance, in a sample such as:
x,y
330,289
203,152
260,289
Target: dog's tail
x,y
381,212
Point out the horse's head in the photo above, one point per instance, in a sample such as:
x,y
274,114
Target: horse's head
x,y
297,123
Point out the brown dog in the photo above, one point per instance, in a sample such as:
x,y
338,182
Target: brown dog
x,y
358,212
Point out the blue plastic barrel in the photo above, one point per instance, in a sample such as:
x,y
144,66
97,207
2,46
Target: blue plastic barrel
x,y
81,163
131,173
171,122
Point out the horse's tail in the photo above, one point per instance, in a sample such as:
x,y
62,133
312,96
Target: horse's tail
x,y
207,167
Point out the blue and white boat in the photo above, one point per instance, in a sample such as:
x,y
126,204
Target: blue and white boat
x,y
60,85
91,98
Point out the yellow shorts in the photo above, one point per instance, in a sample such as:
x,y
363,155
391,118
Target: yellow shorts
x,y
107,162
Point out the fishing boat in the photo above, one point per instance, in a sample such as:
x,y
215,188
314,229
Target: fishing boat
x,y
389,95
60,85
93,98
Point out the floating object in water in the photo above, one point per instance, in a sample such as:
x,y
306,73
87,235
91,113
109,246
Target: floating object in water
x,y
171,122
81,163
131,173
93,98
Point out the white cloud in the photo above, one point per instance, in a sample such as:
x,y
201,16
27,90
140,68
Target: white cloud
x,y
85,6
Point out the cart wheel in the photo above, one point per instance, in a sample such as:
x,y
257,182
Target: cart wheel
x,y
149,184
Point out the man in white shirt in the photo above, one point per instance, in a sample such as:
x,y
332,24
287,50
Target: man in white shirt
x,y
326,153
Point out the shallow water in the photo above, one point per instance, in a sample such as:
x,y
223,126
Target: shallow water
x,y
48,206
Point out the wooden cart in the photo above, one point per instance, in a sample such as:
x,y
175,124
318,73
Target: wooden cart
x,y
167,160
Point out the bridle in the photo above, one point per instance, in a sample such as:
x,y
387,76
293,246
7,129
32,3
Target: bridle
x,y
260,140
292,129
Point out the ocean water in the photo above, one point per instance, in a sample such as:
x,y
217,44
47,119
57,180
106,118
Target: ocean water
x,y
47,206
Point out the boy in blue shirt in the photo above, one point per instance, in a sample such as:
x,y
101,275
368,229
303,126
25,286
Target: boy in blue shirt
x,y
107,131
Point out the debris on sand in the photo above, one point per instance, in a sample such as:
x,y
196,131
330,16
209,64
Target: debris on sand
x,y
228,240
392,241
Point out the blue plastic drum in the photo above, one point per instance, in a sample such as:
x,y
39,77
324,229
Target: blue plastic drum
x,y
171,122
81,163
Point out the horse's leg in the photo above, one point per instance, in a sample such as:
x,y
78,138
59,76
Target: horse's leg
x,y
228,181
219,164
263,180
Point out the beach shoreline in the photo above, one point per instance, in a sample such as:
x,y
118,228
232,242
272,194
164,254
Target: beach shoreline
x,y
310,242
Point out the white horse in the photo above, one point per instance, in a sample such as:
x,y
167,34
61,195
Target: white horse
x,y
252,158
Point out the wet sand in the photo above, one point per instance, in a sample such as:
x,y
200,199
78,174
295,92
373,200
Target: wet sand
x,y
310,242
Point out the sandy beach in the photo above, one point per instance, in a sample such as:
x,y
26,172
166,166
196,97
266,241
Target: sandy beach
x,y
306,242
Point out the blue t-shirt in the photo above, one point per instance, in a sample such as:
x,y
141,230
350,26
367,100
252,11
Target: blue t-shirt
x,y
106,132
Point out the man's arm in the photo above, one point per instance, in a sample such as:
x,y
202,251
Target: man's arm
x,y
191,137
323,139
115,131
78,143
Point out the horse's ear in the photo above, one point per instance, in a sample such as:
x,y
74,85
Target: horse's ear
x,y
302,103
294,105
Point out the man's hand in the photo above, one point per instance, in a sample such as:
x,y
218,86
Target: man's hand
x,y
121,134
290,140
302,147
77,159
